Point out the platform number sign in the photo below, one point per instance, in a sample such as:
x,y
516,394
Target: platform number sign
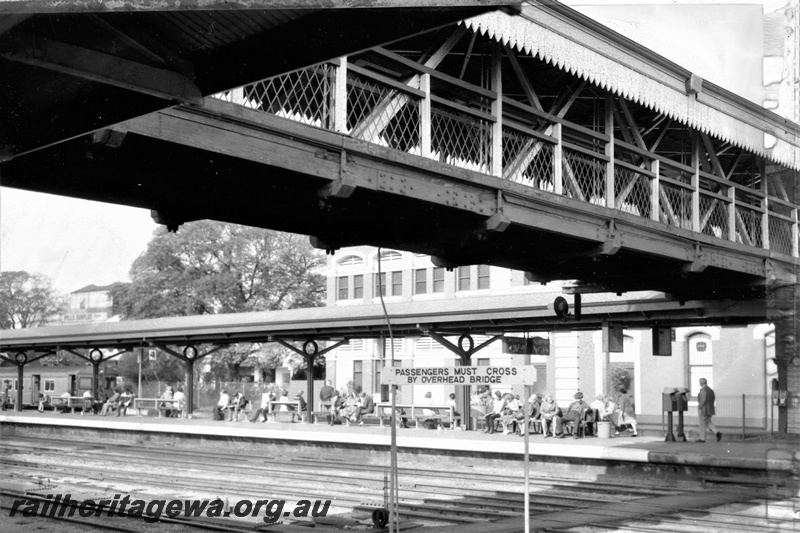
x,y
151,354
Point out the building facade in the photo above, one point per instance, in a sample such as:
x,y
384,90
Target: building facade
x,y
735,361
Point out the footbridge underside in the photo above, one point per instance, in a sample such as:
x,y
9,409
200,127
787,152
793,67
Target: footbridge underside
x,y
455,145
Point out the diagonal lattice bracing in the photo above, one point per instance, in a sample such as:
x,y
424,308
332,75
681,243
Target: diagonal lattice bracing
x,y
460,139
528,160
714,216
632,192
306,96
381,115
584,177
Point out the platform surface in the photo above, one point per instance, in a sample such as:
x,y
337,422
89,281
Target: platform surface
x,y
764,454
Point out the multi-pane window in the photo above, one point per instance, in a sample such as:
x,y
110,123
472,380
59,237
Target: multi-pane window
x,y
358,286
49,385
463,278
396,288
397,283
421,281
351,260
483,276
483,361
342,288
438,279
358,373
380,284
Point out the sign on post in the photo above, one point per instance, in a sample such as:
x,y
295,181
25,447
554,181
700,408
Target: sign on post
x,y
459,375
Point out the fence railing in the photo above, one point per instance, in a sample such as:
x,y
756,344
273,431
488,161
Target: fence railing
x,y
430,114
739,413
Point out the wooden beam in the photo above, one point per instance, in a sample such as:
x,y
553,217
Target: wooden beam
x,y
712,155
101,68
661,136
565,100
623,105
467,56
530,92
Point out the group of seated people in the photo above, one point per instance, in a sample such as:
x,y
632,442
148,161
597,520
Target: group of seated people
x,y
175,405
507,411
92,403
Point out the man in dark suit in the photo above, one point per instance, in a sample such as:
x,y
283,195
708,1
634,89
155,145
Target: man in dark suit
x,y
705,410
366,406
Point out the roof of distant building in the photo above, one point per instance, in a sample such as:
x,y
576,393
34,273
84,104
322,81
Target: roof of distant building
x,y
94,288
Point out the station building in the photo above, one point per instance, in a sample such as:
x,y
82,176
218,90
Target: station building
x,y
737,362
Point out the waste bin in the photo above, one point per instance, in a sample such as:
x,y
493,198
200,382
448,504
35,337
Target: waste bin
x,y
604,430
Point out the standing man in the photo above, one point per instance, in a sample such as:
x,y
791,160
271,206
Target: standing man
x,y
705,410
325,395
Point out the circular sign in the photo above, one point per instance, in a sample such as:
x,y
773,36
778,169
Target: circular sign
x,y
21,357
310,347
470,342
95,355
190,352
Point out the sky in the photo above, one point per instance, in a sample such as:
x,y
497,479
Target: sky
x,y
79,243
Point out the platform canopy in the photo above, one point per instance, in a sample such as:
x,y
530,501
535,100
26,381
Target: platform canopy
x,y
491,315
71,67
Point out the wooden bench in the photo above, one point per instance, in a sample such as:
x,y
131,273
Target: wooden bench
x,y
141,403
415,412
71,402
273,414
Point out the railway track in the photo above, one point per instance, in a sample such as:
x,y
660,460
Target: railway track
x,y
481,500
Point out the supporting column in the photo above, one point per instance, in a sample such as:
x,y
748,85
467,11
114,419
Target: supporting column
x,y
609,151
188,391
20,378
566,362
784,302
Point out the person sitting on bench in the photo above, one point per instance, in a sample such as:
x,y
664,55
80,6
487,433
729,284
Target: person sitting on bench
x,y
575,414
365,406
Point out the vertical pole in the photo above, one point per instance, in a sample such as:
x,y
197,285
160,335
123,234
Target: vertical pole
x,y
655,198
695,214
189,378
139,353
96,378
609,130
425,116
497,113
310,386
732,214
20,377
743,417
527,498
558,154
340,97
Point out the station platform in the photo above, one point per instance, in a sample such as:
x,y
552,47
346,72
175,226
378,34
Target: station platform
x,y
450,449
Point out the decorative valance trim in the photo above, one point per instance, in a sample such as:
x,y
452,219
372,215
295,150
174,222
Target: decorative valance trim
x,y
608,65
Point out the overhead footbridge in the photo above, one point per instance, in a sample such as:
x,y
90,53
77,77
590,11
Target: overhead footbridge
x,y
541,142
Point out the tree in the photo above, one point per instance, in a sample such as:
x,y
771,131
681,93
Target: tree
x,y
209,267
28,300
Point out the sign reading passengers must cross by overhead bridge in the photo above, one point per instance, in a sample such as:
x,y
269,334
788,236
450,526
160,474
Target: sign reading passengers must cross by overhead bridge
x,y
460,375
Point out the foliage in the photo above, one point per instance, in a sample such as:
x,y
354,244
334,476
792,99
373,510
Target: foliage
x,y
164,368
28,300
209,267
620,376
